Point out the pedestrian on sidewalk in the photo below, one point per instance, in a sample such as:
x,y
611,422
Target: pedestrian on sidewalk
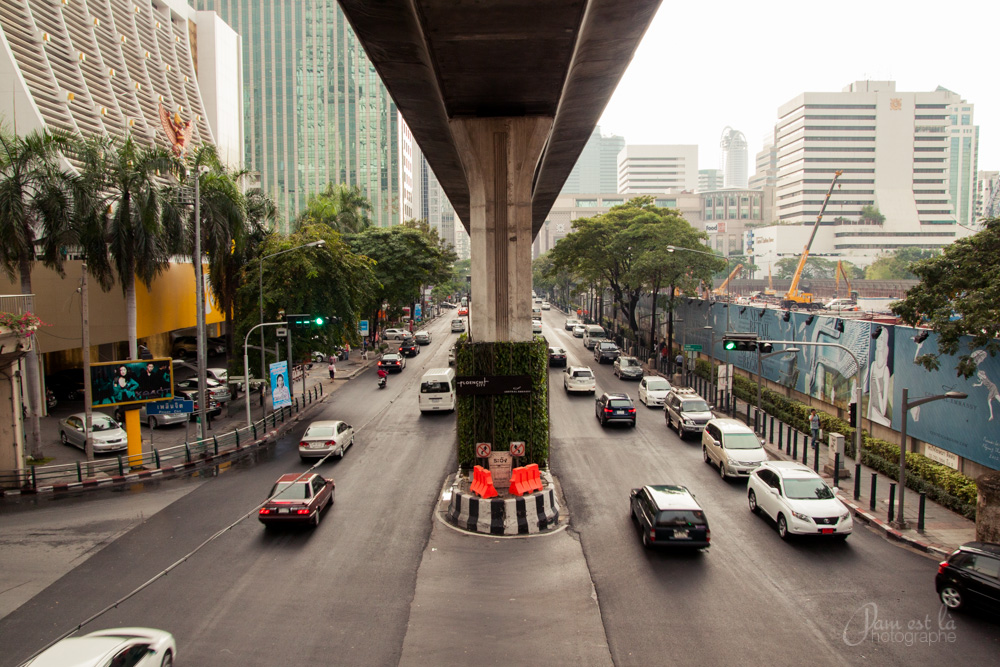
x,y
814,426
332,367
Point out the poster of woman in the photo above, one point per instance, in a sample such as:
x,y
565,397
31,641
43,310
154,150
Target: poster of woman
x,y
280,395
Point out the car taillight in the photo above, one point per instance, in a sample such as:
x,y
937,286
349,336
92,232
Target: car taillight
x,y
264,510
608,410
708,535
941,566
652,534
400,349
303,444
331,443
631,411
304,510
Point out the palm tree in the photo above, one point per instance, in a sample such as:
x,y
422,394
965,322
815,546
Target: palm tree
x,y
343,207
126,178
35,209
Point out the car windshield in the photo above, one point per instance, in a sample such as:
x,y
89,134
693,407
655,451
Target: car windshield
x,y
102,423
657,385
557,350
291,491
390,357
807,489
694,406
620,403
628,361
319,432
681,518
741,441
608,346
583,374
434,387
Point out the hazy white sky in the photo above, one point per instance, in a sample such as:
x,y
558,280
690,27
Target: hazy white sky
x,y
705,65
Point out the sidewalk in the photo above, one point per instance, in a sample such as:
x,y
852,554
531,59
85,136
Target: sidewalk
x,y
944,530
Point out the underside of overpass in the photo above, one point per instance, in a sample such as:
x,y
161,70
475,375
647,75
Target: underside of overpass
x,y
501,96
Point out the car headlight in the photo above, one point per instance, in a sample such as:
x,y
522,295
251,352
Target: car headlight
x,y
689,422
800,516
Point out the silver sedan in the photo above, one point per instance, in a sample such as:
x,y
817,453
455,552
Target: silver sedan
x,y
106,434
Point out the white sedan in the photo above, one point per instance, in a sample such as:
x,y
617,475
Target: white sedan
x,y
797,500
652,390
579,378
326,437
139,647
578,331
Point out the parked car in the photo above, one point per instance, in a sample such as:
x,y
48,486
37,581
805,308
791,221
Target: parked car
x,y
318,357
579,378
653,390
579,330
614,407
798,500
422,337
606,350
409,348
451,357
628,368
557,356
218,391
685,408
106,434
297,498
66,384
570,323
457,326
669,516
970,577
391,361
213,408
733,446
187,346
546,305
220,375
326,437
134,647
155,421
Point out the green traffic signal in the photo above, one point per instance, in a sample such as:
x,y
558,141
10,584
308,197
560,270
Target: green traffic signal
x,y
319,321
730,345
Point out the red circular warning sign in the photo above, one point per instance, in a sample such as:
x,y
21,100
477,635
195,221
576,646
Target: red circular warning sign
x,y
483,449
517,449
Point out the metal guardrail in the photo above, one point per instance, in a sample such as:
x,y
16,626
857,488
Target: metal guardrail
x,y
35,477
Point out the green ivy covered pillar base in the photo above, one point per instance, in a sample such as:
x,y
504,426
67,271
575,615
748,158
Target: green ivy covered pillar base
x,y
500,419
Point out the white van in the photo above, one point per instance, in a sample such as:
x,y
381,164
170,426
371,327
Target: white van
x,y
437,390
591,332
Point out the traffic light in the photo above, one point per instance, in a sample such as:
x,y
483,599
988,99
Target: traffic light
x,y
303,321
854,413
765,348
740,342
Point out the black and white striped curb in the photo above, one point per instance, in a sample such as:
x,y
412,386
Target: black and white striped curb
x,y
528,515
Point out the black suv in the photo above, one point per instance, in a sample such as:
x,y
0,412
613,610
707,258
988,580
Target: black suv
x,y
409,347
669,516
606,350
971,577
614,407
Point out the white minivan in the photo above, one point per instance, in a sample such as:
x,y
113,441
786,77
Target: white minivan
x,y
437,390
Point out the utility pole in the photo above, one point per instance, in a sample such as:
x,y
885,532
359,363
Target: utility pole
x,y
87,397
200,305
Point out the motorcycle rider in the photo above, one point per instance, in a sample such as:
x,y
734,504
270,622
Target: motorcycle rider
x,y
383,376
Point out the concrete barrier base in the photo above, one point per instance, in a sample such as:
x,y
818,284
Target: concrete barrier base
x,y
526,515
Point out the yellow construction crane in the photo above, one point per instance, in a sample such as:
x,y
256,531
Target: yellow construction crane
x,y
770,284
722,288
795,296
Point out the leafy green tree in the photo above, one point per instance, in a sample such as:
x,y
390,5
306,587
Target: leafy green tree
x,y
896,265
444,253
958,295
329,281
127,203
341,207
35,208
870,215
816,268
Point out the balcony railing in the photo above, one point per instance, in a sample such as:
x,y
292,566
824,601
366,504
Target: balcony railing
x,y
15,303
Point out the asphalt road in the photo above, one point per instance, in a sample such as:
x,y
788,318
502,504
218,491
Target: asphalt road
x,y
381,581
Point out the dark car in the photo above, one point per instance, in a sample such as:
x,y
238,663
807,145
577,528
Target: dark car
x,y
669,516
970,577
392,362
628,368
606,350
409,347
297,498
66,384
614,407
557,356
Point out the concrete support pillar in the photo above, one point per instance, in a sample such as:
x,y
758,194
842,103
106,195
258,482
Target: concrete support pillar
x,y
988,507
499,156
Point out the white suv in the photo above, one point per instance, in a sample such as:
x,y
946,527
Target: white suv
x,y
798,500
579,378
733,446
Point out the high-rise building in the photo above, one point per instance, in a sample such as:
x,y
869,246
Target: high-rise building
x,y
735,158
766,165
596,170
435,207
988,195
655,169
106,67
710,179
316,111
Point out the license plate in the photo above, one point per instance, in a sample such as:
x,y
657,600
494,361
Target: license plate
x,y
826,531
680,534
283,510
435,399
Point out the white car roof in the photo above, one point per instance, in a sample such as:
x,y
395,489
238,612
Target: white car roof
x,y
578,368
730,425
791,470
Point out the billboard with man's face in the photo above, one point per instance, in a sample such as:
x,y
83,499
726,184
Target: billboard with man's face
x,y
128,382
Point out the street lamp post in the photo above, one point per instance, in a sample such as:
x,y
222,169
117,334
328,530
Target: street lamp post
x,y
260,284
671,249
760,358
900,521
711,362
